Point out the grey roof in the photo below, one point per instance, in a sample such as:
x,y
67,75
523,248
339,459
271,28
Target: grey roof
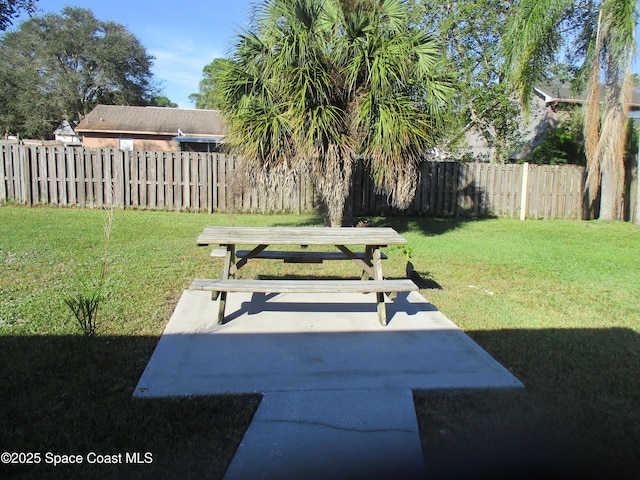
x,y
153,121
561,93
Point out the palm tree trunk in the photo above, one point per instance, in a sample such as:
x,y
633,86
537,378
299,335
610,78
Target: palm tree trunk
x,y
611,153
612,141
606,157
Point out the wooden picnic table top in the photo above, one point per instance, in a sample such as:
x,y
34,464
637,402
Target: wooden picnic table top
x,y
374,236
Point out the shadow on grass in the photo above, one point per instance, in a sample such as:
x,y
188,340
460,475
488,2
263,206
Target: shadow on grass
x,y
579,413
315,220
427,226
73,395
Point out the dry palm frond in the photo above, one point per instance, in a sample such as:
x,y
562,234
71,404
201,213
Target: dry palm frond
x,y
331,173
591,139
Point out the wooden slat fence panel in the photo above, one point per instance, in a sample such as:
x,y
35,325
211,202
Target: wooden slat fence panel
x,y
203,182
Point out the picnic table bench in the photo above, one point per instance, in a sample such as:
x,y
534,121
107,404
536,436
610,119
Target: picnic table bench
x,y
369,261
293,257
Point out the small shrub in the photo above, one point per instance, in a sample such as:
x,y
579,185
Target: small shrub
x,y
85,302
91,291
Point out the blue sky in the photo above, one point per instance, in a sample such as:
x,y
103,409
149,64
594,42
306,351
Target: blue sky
x,y
183,35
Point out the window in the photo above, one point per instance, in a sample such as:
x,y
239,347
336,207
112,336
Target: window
x,y
126,144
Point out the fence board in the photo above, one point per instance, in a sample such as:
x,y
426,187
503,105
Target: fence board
x,y
9,193
3,176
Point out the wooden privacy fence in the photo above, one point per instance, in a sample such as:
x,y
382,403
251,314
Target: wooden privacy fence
x,y
484,189
74,176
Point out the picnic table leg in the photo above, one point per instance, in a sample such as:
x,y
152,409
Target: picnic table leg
x,y
377,275
382,309
229,261
368,253
377,264
221,307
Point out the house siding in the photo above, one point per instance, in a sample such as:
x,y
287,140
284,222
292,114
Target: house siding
x,y
140,142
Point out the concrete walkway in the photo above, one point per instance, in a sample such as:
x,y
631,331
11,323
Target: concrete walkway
x,y
337,386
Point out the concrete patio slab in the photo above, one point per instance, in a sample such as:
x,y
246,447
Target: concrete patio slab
x,y
337,386
339,434
298,342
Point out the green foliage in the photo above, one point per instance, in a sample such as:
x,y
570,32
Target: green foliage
x,y
84,303
207,96
633,137
602,37
10,9
471,32
315,84
564,144
163,101
57,67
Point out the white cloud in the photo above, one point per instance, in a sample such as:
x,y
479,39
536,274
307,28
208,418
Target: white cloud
x,y
178,65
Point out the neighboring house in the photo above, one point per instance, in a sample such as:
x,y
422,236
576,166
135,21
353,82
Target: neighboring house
x,y
544,115
65,134
152,128
553,95
531,133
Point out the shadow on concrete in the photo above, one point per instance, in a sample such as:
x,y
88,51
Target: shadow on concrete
x,y
260,303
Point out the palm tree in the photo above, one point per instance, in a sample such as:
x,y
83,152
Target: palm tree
x,y
316,84
606,41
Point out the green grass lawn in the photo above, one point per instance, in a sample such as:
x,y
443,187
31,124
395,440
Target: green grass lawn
x,y
556,302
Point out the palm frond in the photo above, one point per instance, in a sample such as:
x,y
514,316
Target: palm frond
x,y
314,84
531,40
619,19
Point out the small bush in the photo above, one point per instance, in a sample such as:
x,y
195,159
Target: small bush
x,y
91,291
85,302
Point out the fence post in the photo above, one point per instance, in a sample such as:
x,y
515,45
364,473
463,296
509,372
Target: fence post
x,y
636,211
524,191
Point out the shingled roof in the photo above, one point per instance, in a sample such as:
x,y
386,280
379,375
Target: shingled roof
x,y
153,121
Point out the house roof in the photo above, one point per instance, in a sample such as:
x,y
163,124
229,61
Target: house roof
x,y
562,93
153,121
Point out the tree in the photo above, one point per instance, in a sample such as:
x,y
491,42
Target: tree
x,y
59,67
602,33
316,84
10,9
564,144
206,97
163,101
471,32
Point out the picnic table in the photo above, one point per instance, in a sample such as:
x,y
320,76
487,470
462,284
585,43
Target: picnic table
x,y
360,245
